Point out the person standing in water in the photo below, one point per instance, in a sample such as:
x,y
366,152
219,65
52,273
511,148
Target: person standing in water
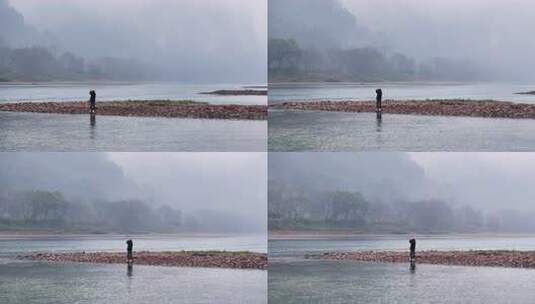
x,y
412,241
379,101
129,249
92,102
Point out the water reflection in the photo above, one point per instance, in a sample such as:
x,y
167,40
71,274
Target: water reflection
x,y
129,274
48,283
129,269
413,267
312,282
335,131
59,132
379,122
92,125
92,119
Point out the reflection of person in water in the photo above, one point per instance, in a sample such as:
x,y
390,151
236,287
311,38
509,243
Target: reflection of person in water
x,y
379,99
129,249
92,102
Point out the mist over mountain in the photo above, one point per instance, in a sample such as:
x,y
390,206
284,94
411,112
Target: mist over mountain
x,y
135,193
369,41
86,176
491,34
187,41
320,24
380,176
16,32
402,193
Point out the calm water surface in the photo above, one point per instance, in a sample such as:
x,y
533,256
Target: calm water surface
x,y
12,246
400,91
292,279
39,92
57,132
336,131
39,282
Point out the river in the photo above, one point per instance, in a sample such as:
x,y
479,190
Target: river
x,y
293,279
400,91
41,282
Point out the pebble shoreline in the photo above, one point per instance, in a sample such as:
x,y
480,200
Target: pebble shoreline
x,y
212,259
489,258
145,109
438,107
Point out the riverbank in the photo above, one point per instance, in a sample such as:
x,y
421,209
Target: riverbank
x,y
432,107
146,108
488,258
210,259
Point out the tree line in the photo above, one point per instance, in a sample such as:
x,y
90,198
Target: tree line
x,y
39,209
294,208
288,61
38,63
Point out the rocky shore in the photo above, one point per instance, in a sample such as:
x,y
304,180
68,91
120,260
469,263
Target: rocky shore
x,y
491,258
237,92
146,108
212,259
460,107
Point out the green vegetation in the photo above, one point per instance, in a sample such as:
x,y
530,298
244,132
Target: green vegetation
x,y
41,64
295,209
50,211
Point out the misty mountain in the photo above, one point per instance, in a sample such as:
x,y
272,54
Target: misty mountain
x,y
490,34
16,33
317,24
83,176
187,41
379,176
371,41
11,22
134,192
401,193
27,54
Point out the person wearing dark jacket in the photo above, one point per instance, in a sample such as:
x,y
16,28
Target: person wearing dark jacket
x,y
412,249
379,100
92,102
129,250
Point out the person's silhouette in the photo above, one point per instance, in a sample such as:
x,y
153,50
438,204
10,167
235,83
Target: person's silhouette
x,y
412,251
129,250
92,102
379,100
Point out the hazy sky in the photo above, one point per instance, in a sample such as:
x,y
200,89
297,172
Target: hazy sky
x,y
494,33
486,180
212,40
230,182
226,183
